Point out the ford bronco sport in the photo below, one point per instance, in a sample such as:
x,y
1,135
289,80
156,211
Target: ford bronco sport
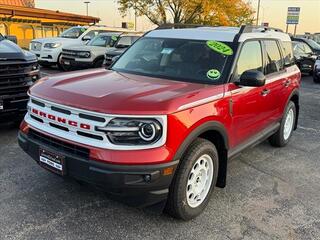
x,y
48,50
162,122
18,71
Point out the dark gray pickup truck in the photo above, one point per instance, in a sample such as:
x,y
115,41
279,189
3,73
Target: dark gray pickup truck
x,y
18,71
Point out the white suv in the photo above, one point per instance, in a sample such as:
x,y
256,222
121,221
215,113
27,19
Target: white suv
x,y
48,50
89,55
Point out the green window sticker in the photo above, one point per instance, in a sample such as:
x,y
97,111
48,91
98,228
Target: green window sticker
x,y
213,74
220,47
114,38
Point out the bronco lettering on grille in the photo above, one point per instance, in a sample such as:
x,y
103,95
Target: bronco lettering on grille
x,y
61,120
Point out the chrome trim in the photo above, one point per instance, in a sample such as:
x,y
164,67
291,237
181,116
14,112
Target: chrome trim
x,y
201,102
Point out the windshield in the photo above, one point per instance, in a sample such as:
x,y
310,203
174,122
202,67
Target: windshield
x,y
74,32
178,59
103,41
316,38
124,42
313,44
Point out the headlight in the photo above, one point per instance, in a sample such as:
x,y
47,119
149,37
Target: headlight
x,y
133,131
52,45
84,54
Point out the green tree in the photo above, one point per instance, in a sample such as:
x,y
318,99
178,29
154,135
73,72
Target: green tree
x,y
210,12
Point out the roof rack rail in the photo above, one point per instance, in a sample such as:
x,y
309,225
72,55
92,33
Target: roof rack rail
x,y
251,28
180,25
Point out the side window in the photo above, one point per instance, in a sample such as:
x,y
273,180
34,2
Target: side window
x,y
274,62
92,33
288,54
250,58
298,49
307,49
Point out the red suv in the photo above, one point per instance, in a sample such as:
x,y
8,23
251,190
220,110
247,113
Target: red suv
x,y
160,125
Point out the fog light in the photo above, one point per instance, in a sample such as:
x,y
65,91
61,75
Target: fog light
x,y
147,178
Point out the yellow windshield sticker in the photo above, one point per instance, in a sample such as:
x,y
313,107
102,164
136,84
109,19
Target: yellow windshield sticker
x,y
213,74
220,47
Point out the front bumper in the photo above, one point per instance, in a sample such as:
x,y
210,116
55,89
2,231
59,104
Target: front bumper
x,y
136,185
14,106
73,63
48,56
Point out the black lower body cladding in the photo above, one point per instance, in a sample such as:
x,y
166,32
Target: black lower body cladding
x,y
135,185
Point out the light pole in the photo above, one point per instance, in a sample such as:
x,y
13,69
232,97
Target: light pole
x,y
258,12
87,5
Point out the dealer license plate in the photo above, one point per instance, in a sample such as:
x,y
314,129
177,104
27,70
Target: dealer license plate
x,y
52,161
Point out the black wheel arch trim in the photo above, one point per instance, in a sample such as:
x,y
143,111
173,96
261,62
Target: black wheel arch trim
x,y
295,92
223,153
208,126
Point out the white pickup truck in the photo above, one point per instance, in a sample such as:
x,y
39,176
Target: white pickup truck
x,y
48,50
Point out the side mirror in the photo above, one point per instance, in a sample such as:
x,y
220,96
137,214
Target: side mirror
x,y
252,78
11,38
86,38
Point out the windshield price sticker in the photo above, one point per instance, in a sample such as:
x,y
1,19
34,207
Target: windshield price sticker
x,y
220,47
167,51
213,74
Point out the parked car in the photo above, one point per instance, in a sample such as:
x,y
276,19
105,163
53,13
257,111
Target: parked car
x,y
316,71
48,50
89,55
18,71
305,57
315,47
125,41
160,125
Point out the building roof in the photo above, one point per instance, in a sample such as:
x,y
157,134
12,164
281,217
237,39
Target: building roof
x,y
21,3
10,11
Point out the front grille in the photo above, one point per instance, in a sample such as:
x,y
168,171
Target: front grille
x,y
14,77
35,46
72,54
58,145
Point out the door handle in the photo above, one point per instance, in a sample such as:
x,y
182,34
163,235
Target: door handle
x,y
287,83
265,92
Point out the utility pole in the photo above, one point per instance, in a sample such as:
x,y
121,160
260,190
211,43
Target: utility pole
x,y
258,12
87,5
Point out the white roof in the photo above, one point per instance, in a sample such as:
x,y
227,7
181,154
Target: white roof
x,y
224,34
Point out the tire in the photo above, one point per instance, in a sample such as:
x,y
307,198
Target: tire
x,y
98,63
61,67
283,135
178,204
315,78
45,65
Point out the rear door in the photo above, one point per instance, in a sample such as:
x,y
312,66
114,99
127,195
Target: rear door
x,y
276,78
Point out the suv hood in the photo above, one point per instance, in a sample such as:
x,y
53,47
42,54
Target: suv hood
x,y
118,93
11,51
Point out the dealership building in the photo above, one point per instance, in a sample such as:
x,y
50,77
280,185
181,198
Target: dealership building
x,y
22,19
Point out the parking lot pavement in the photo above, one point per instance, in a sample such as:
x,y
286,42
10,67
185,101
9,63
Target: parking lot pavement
x,y
272,193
